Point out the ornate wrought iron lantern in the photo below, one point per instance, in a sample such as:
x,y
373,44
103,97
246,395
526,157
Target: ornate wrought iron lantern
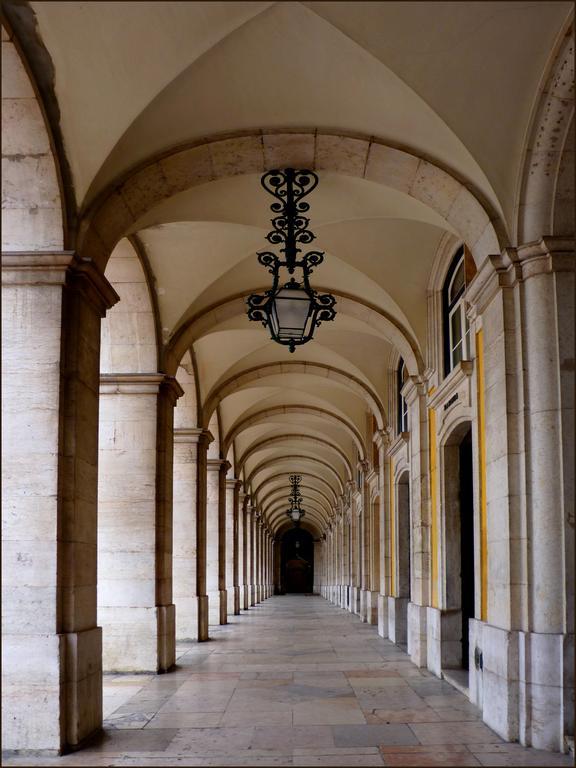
x,y
295,513
291,309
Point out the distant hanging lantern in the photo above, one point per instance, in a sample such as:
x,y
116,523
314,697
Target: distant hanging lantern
x,y
291,309
295,512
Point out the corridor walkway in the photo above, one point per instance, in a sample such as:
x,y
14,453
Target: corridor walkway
x,y
294,681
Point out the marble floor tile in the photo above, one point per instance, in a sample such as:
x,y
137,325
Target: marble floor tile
x,y
338,760
328,712
423,715
185,720
429,758
205,741
453,733
250,716
293,681
373,735
282,738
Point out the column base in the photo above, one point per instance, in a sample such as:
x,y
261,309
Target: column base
x,y
214,610
382,615
166,624
372,607
53,688
131,638
223,596
230,598
203,611
252,590
417,637
244,597
443,640
526,682
398,619
354,606
187,618
236,601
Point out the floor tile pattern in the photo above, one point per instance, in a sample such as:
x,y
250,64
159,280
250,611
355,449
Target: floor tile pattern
x,y
294,681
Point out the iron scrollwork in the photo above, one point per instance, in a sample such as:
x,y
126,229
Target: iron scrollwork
x,y
291,229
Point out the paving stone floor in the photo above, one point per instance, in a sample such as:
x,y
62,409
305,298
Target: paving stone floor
x,y
294,681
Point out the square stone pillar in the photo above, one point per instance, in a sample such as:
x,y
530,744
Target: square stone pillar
x,y
135,521
216,540
522,305
258,557
204,440
168,393
186,441
251,532
52,304
231,562
244,546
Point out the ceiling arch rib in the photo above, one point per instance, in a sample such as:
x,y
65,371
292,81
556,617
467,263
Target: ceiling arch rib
x,y
292,458
234,383
275,519
277,514
274,441
116,211
264,415
209,319
283,476
274,496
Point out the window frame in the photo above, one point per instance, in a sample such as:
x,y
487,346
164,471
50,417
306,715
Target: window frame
x,y
449,309
402,405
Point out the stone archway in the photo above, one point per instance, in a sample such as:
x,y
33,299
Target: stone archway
x,y
117,209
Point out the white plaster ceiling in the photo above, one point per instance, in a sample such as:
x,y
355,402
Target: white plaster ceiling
x,y
454,82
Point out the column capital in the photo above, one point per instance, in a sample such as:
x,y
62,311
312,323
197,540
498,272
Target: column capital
x,y
414,387
60,268
170,388
139,384
192,435
381,438
514,265
219,465
232,483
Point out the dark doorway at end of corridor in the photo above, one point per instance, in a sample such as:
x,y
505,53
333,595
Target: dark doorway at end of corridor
x,y
297,561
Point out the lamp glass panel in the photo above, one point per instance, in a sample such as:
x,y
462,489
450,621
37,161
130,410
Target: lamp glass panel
x,y
290,311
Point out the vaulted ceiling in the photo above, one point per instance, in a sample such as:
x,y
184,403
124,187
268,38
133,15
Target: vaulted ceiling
x,y
453,83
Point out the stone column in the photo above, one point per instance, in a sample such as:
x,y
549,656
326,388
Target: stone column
x,y
346,553
545,271
204,440
522,302
250,529
270,563
381,441
169,392
243,537
216,540
342,588
185,531
264,561
135,521
232,549
356,554
276,559
258,557
52,304
414,392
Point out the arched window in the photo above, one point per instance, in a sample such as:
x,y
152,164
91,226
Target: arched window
x,y
455,322
401,379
